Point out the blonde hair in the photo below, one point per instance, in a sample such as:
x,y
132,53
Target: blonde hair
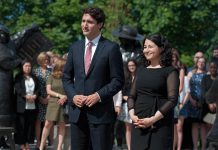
x,y
58,68
50,53
42,58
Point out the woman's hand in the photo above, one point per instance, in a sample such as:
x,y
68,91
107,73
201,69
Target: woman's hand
x,y
62,99
144,123
180,106
212,107
134,118
125,98
118,110
33,97
44,100
28,98
132,115
194,102
148,122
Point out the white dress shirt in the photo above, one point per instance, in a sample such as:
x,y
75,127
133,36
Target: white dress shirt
x,y
30,86
94,44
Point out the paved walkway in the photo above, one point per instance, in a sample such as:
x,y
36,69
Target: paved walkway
x,y
32,147
66,142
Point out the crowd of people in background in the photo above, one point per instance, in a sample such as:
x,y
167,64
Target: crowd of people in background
x,y
39,81
192,103
158,95
40,100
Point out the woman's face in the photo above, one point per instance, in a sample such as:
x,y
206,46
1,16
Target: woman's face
x,y
131,66
27,68
213,69
151,51
45,62
201,63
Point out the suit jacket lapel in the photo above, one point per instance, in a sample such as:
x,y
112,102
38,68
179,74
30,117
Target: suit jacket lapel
x,y
97,53
81,54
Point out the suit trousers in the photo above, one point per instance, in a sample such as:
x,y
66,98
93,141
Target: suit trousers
x,y
90,136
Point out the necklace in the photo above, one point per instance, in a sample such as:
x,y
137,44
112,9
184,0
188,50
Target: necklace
x,y
154,67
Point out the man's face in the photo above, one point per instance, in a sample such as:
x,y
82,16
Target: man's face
x,y
215,53
90,27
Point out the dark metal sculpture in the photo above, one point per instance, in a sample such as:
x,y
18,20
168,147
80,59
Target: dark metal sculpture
x,y
8,62
30,42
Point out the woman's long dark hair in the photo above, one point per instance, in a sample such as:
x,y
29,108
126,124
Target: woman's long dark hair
x,y
166,54
177,63
127,73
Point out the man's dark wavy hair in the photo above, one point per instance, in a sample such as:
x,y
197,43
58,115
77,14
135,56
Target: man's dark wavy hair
x,y
96,13
166,54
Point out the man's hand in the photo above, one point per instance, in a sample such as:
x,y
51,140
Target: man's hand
x,y
92,100
79,100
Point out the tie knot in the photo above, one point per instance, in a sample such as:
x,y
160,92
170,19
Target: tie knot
x,y
90,44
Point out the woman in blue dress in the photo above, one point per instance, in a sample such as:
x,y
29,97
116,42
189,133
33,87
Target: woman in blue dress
x,y
195,105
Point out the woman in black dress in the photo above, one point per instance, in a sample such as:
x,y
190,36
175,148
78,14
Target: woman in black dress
x,y
153,96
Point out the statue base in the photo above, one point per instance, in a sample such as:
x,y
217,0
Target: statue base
x,y
7,120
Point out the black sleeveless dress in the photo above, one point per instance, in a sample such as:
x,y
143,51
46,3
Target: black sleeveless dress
x,y
154,89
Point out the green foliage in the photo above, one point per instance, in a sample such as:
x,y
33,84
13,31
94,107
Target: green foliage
x,y
190,25
187,60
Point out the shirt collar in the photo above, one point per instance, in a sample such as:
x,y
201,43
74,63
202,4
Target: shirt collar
x,y
94,41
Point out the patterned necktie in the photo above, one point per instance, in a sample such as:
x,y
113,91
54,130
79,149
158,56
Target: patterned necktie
x,y
88,56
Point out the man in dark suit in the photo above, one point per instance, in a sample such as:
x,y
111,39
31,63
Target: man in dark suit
x,y
92,75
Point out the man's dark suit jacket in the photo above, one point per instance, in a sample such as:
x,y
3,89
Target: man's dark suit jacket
x,y
105,76
20,91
